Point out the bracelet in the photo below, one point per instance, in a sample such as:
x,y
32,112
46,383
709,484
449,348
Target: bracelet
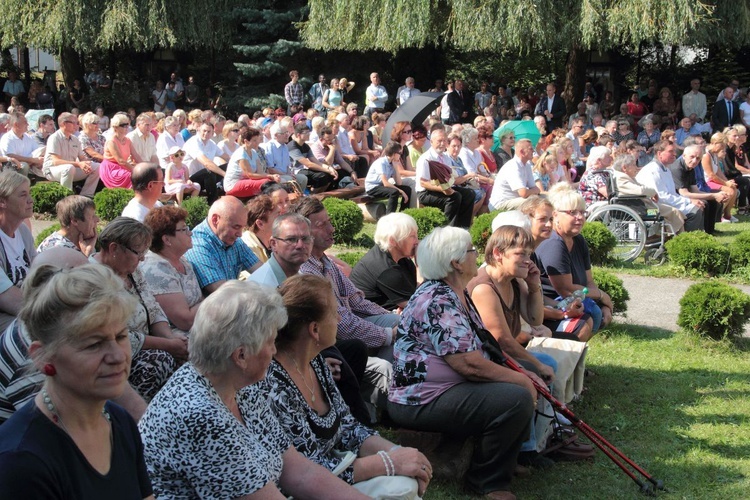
x,y
390,470
534,290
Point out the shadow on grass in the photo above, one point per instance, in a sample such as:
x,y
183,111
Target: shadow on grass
x,y
639,332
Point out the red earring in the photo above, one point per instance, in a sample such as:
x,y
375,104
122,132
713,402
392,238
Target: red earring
x,y
49,370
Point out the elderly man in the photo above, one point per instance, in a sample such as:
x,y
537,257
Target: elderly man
x,y
142,139
457,202
457,106
375,96
684,177
18,145
201,155
63,159
694,102
407,91
735,95
657,176
148,183
552,108
726,111
515,181
277,155
218,252
78,220
359,318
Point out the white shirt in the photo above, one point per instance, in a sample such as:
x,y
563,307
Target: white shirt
x,y
423,167
513,176
164,144
471,159
344,143
10,143
376,96
136,211
659,178
193,148
144,145
406,93
694,102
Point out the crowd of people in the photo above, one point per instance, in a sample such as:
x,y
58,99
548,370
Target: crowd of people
x,y
240,357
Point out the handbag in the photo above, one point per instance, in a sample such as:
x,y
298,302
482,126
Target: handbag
x,y
380,487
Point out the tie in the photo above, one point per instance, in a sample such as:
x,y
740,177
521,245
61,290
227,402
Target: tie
x,y
729,111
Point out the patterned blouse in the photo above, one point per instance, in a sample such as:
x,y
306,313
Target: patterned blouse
x,y
434,324
589,186
95,144
318,437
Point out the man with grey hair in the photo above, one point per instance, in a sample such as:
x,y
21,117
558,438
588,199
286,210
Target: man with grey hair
x,y
218,252
375,96
4,119
18,145
148,182
406,92
142,139
291,244
64,161
683,172
515,181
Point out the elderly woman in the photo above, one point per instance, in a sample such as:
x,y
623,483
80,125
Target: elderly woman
x,y
70,442
119,156
649,136
735,160
566,265
623,132
503,147
594,184
77,217
245,175
124,243
305,400
92,140
713,168
443,379
169,276
463,177
666,108
387,274
625,168
473,160
168,139
207,434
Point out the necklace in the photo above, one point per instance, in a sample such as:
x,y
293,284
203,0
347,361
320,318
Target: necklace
x,y
56,416
304,380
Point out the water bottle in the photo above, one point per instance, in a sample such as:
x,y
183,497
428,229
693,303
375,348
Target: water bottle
x,y
565,303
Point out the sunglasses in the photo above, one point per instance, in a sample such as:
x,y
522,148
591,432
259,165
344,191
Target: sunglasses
x,y
124,125
179,154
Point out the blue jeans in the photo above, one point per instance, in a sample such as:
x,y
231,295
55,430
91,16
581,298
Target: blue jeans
x,y
593,309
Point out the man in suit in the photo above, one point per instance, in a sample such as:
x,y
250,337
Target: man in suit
x,y
552,108
726,111
459,111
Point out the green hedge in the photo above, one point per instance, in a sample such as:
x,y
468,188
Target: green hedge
x,y
740,250
600,241
46,195
197,209
351,258
111,202
613,286
714,309
346,217
699,252
46,232
427,219
481,230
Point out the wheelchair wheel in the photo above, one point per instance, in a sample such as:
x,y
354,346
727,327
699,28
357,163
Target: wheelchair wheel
x,y
627,227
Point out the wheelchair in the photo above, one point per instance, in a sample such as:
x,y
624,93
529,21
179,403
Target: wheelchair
x,y
635,222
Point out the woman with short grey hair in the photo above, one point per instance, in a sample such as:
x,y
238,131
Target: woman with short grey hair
x,y
207,423
443,380
169,138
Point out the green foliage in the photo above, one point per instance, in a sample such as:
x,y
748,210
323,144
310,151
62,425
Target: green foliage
x,y
197,209
698,251
714,309
46,232
351,258
481,230
111,202
740,250
427,219
46,195
600,240
346,217
613,286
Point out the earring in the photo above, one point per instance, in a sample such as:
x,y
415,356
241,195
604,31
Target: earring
x,y
49,370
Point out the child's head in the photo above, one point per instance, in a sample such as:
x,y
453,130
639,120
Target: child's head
x,y
392,150
175,155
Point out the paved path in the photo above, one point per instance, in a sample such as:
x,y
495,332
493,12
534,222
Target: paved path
x,y
656,301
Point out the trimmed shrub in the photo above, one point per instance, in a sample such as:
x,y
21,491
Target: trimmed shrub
x,y
346,217
197,209
600,240
481,230
111,202
740,250
612,285
714,309
46,195
427,219
46,232
351,258
698,251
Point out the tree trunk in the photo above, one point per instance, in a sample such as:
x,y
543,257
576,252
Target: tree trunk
x,y
26,67
71,66
575,71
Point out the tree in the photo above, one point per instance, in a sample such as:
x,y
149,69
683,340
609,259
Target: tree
x,y
525,26
70,28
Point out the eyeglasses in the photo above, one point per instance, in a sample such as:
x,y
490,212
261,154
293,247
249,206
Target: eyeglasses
x,y
140,255
235,130
472,250
292,240
182,230
123,125
406,132
573,213
418,136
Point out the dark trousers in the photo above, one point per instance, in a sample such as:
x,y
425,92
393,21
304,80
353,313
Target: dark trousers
x,y
353,357
712,210
498,414
743,186
208,181
360,166
393,196
458,207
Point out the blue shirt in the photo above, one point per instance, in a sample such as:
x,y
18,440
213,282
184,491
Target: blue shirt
x,y
277,156
214,261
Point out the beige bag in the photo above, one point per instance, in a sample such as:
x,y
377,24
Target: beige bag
x,y
571,363
381,487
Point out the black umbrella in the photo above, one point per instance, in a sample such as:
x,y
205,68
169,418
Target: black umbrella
x,y
415,110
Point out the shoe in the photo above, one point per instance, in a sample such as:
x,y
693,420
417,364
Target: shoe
x,y
734,220
534,459
725,220
521,471
500,495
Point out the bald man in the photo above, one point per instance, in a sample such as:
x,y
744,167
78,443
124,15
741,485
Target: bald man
x,y
19,382
218,252
148,184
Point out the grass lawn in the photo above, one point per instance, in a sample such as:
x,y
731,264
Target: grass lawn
x,y
678,406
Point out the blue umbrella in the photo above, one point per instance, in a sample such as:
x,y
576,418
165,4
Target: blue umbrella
x,y
523,129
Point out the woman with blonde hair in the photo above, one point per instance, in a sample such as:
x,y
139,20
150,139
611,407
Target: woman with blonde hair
x,y
713,168
545,170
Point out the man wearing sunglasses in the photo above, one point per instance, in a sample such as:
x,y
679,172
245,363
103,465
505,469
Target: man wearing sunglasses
x,y
64,162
